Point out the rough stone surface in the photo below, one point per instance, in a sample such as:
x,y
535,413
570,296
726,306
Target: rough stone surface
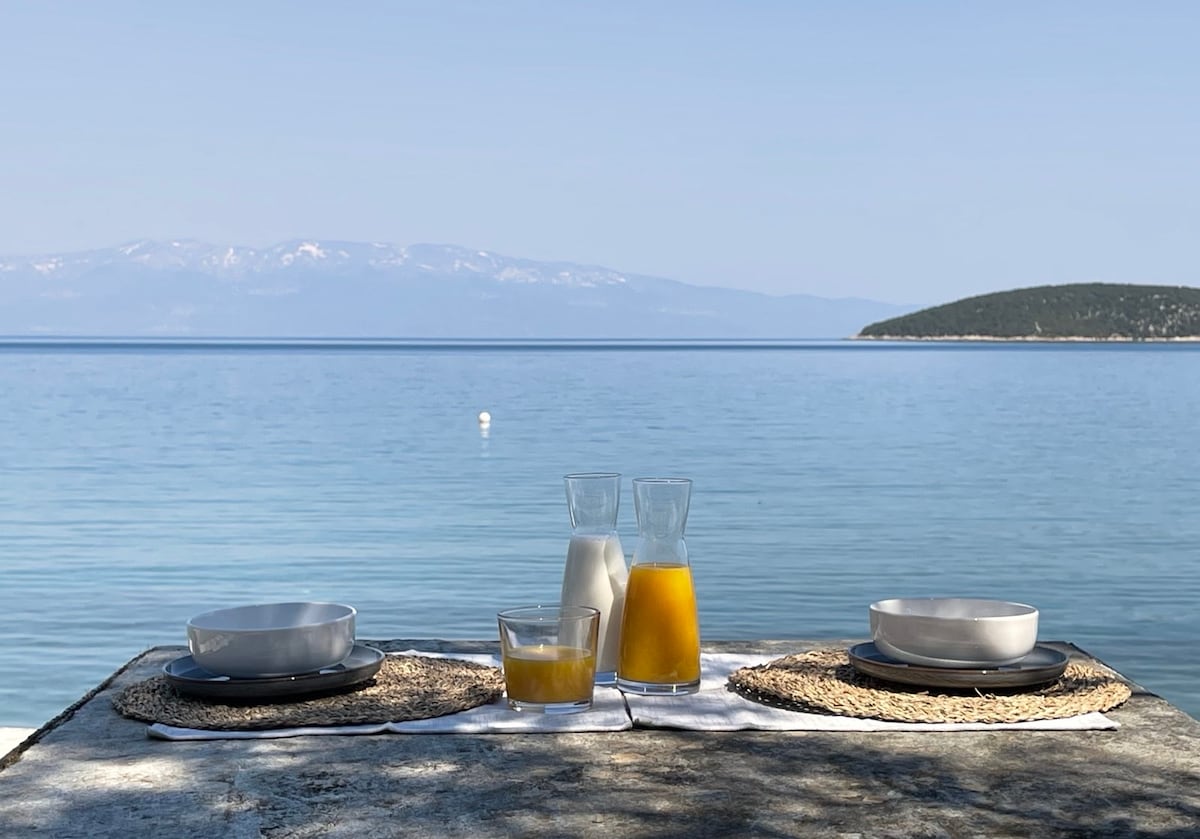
x,y
10,738
95,774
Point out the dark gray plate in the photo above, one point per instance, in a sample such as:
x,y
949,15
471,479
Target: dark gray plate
x,y
188,677
1044,664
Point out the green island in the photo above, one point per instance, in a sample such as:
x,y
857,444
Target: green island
x,y
1075,312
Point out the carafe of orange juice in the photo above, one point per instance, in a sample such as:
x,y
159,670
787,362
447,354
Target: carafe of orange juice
x,y
660,630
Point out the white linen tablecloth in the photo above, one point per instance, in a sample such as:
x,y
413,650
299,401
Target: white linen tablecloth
x,y
608,713
713,708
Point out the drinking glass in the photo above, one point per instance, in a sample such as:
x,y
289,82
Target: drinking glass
x,y
549,657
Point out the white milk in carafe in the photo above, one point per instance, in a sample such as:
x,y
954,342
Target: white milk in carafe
x,y
595,575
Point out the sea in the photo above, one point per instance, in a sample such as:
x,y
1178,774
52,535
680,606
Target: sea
x,y
146,481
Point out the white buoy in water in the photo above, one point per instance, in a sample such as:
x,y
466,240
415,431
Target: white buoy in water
x,y
485,418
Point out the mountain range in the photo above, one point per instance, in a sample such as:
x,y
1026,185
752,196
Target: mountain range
x,y
318,289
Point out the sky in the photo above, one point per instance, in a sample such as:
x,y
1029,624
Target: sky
x,y
913,153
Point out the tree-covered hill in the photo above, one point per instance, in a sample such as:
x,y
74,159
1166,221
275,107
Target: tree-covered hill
x,y
1083,311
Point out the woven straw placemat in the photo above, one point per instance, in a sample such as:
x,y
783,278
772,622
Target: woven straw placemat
x,y
825,681
405,688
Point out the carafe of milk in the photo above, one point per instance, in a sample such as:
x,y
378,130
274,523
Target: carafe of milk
x,y
595,574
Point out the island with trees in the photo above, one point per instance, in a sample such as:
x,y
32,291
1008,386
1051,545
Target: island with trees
x,y
1076,312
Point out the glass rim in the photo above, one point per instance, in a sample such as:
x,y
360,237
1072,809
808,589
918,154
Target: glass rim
x,y
572,475
548,612
662,480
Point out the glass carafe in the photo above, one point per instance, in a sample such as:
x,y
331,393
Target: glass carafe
x,y
660,632
595,572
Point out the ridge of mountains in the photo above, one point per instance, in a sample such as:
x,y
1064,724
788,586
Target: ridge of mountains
x,y
318,289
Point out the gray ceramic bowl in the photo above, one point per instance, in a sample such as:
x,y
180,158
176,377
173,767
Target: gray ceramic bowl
x,y
271,639
954,631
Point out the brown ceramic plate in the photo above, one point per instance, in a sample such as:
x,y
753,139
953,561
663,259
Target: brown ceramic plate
x,y
1044,664
190,678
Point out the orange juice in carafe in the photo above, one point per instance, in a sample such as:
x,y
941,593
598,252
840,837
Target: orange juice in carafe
x,y
660,639
660,629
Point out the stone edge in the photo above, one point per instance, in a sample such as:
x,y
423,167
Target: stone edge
x,y
15,755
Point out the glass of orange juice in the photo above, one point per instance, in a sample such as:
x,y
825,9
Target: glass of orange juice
x,y
549,657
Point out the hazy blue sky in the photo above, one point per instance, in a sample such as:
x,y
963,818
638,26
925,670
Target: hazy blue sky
x,y
912,152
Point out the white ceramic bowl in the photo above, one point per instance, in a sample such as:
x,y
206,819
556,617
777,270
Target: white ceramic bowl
x,y
954,631
272,639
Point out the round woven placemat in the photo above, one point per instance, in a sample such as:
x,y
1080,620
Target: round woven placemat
x,y
405,688
825,681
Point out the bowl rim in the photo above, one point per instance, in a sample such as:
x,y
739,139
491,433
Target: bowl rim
x,y
1022,611
203,622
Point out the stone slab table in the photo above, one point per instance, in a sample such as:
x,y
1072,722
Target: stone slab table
x,y
92,773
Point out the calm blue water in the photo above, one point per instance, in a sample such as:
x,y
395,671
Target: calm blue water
x,y
142,485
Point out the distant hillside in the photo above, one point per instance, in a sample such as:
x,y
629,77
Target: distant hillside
x,y
317,289
1084,311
